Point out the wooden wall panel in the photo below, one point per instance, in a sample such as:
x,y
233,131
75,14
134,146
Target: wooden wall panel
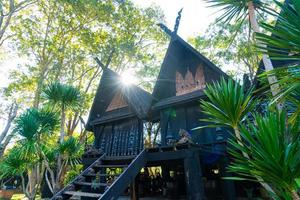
x,y
190,82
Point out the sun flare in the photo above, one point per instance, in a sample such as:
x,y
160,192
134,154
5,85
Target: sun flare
x,y
128,78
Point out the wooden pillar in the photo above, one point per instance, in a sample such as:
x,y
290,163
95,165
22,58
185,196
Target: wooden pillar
x,y
193,177
134,193
228,188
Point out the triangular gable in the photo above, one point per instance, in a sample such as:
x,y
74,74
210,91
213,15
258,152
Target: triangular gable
x,y
117,102
114,100
183,71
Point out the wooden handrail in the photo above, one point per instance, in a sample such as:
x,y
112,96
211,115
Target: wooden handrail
x,y
120,184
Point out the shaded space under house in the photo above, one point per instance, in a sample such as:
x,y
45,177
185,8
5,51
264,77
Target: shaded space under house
x,y
192,170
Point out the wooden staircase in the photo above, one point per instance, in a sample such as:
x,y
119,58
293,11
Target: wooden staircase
x,y
106,178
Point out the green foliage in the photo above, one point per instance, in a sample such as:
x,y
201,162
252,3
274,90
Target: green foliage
x,y
228,103
33,126
235,10
229,44
283,43
71,151
33,123
72,173
274,150
289,81
265,149
13,164
63,95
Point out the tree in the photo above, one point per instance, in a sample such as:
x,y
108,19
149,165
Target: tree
x,y
34,127
5,136
66,97
229,45
239,11
7,9
60,38
253,147
70,151
281,41
228,108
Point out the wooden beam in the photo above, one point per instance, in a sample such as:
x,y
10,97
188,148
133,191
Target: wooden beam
x,y
169,155
228,188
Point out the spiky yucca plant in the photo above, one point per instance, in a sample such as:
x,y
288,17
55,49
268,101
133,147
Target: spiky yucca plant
x,y
282,42
32,127
228,104
65,97
273,147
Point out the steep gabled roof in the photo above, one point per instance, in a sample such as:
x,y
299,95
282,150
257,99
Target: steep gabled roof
x,y
110,85
166,76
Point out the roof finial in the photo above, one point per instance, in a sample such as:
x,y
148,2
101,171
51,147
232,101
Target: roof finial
x,y
177,21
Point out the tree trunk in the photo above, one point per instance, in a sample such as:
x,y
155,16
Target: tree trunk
x,y
11,116
275,89
32,183
5,143
295,195
37,93
239,140
62,124
57,186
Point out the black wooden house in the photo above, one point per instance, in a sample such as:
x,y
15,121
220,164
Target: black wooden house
x,y
117,115
188,171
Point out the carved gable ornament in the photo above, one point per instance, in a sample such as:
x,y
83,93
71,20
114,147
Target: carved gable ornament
x,y
190,83
117,102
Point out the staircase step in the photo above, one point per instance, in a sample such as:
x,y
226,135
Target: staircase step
x,y
118,158
89,183
110,166
83,194
94,174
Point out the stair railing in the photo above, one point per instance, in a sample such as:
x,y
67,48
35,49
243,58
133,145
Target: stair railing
x,y
128,175
77,178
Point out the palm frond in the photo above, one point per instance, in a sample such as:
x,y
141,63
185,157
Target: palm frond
x,y
32,123
229,103
234,10
274,154
283,40
62,94
12,164
71,151
289,81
